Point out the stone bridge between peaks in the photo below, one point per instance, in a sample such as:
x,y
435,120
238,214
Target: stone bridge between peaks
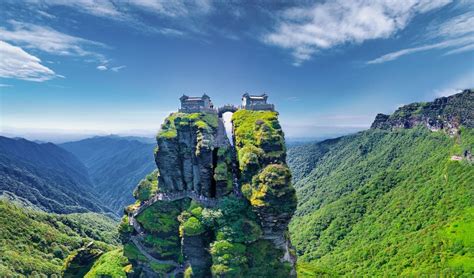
x,y
226,108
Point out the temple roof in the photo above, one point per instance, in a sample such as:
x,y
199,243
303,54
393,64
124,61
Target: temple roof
x,y
194,98
256,97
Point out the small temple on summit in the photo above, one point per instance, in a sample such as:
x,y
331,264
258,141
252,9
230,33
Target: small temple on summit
x,y
256,102
193,104
196,104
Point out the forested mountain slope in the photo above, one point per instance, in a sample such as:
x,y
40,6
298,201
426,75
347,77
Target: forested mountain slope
x,y
35,243
115,165
45,176
397,199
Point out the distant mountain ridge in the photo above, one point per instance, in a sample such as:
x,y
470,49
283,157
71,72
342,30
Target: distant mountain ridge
x,y
394,200
46,176
115,165
442,113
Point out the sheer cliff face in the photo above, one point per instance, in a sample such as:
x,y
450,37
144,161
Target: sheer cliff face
x,y
210,209
443,113
184,153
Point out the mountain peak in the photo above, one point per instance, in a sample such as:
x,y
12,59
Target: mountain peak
x,y
446,113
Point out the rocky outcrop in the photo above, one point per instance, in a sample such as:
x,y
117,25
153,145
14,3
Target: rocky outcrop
x,y
195,252
193,212
267,178
185,155
446,113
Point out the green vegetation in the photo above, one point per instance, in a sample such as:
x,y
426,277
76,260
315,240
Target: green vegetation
x,y
37,243
264,261
204,122
147,187
271,189
161,217
79,262
223,171
460,243
192,227
231,230
124,227
228,258
258,140
386,203
132,253
162,225
188,273
110,264
161,268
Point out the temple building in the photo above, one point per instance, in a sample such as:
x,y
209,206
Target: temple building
x,y
256,102
196,104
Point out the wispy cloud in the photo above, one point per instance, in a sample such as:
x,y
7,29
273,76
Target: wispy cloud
x,y
456,34
17,63
116,69
465,44
121,9
309,30
2,85
48,40
174,8
45,14
104,8
130,12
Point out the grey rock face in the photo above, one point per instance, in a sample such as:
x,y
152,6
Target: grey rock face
x,y
185,162
446,113
196,254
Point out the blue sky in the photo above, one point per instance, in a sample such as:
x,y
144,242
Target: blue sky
x,y
99,67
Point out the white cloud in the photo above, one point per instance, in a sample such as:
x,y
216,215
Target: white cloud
x,y
103,8
48,40
458,26
174,8
456,34
178,14
16,63
465,48
123,9
308,30
45,14
5,85
465,44
116,69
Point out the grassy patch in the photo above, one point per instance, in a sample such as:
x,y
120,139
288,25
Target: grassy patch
x,y
110,264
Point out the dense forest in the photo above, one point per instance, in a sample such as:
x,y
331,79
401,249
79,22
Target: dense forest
x,y
386,202
397,199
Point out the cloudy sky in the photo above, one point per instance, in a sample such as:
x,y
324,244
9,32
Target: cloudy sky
x,y
119,66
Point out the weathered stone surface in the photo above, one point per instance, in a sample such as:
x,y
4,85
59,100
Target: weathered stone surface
x,y
220,233
185,160
446,113
196,254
